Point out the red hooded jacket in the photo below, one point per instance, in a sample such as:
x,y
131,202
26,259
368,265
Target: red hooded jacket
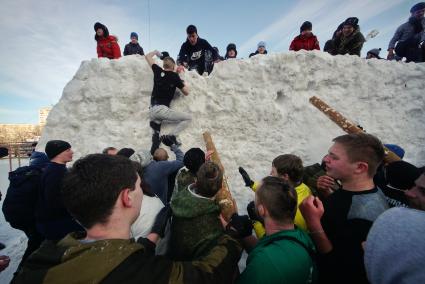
x,y
108,47
304,42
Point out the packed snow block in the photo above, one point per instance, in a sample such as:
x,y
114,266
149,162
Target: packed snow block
x,y
255,108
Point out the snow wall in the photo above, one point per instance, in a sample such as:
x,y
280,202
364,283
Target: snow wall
x,y
255,109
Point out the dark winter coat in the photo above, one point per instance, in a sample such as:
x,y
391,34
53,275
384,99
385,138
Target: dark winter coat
x,y
132,48
53,220
108,47
255,53
125,261
304,42
348,45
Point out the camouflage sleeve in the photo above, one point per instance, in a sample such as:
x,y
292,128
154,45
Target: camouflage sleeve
x,y
219,266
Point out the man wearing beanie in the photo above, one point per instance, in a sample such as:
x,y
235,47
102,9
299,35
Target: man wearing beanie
x,y
231,51
350,40
306,39
409,38
133,47
53,220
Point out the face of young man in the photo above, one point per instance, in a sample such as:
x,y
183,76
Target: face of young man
x,y
136,196
261,49
65,156
193,38
133,40
338,166
416,195
419,14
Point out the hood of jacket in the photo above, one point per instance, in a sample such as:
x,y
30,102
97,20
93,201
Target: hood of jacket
x,y
187,205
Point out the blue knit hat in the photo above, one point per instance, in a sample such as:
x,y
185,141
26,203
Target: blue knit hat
x,y
133,34
395,149
261,44
417,7
38,159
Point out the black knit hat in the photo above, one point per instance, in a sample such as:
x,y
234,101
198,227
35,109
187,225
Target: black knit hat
x,y
194,159
55,147
126,152
417,7
306,26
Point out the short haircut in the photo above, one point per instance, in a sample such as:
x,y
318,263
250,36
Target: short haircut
x,y
363,147
107,149
91,188
168,62
191,29
160,154
291,165
209,179
279,198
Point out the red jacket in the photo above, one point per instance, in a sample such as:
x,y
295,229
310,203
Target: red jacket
x,y
108,47
304,42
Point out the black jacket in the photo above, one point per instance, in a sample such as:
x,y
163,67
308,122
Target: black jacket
x,y
132,48
53,219
194,55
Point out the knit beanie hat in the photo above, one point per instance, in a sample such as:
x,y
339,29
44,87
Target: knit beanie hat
x,y
133,34
401,175
417,7
3,152
306,26
55,147
194,159
375,52
126,152
38,159
261,44
393,147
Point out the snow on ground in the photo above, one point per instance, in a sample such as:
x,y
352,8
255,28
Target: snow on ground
x,y
255,108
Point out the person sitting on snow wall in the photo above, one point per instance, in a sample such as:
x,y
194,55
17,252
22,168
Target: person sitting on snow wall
x,y
107,45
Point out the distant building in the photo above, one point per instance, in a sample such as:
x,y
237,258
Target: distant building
x,y
43,113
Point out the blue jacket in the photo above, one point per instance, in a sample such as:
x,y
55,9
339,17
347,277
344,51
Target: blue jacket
x,y
156,173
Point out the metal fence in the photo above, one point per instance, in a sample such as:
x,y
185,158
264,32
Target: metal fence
x,y
18,150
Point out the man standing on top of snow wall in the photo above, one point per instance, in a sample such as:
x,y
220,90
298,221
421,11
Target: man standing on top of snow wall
x,y
165,82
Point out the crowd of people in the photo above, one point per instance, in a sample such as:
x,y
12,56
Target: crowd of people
x,y
198,54
329,222
135,215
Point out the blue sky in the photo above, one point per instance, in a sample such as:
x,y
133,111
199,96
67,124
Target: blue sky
x,y
44,42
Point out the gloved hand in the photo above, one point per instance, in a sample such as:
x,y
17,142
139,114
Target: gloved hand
x,y
252,213
248,181
161,221
168,140
239,227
